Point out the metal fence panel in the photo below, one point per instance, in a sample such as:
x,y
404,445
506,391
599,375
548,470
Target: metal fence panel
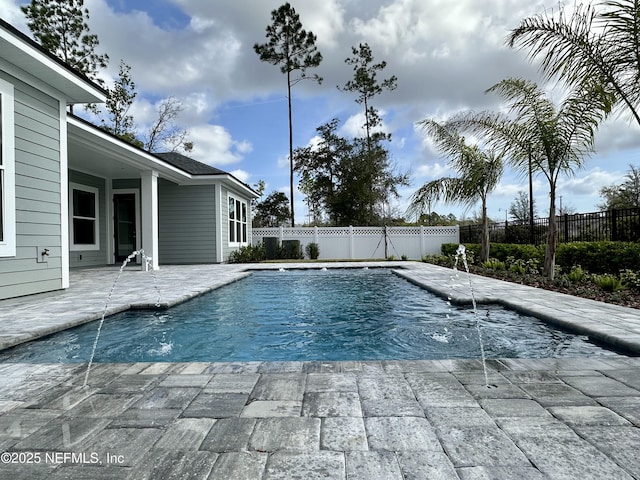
x,y
612,225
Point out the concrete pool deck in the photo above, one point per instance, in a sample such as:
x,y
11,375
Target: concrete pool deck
x,y
545,418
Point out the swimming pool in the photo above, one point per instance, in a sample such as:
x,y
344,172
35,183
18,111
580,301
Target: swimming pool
x,y
337,314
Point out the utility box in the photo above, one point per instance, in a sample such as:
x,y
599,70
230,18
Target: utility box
x,y
271,247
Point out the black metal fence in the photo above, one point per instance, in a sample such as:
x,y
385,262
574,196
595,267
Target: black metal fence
x,y
621,225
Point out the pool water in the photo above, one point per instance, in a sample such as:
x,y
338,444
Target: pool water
x,y
337,314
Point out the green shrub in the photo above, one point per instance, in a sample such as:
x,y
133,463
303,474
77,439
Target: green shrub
x,y
608,282
501,251
521,266
519,252
630,279
442,260
516,266
248,254
290,250
494,264
599,257
576,275
312,250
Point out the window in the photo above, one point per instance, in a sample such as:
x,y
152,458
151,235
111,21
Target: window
x,y
83,206
7,172
237,221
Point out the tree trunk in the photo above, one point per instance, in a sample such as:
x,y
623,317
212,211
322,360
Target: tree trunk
x,y
484,249
293,222
552,237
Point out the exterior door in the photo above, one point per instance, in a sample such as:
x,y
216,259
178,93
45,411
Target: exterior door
x,y
124,207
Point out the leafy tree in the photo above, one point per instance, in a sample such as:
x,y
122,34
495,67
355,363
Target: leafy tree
x,y
599,44
556,138
434,218
61,27
368,172
294,50
366,85
273,211
119,100
625,195
519,208
164,135
344,180
478,174
319,167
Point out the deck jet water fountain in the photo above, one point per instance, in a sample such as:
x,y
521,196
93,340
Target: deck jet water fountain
x,y
147,261
462,253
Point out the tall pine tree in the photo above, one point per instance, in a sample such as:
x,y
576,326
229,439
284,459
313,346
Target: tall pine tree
x,y
61,27
294,50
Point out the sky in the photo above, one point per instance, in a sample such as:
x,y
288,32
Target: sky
x,y
444,54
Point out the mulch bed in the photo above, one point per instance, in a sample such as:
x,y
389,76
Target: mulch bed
x,y
626,297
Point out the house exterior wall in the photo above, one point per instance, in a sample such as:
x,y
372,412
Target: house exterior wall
x,y
186,223
93,257
227,248
37,194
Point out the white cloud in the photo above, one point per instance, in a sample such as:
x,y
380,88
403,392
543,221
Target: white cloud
x,y
214,145
283,162
588,183
432,171
354,125
241,175
325,19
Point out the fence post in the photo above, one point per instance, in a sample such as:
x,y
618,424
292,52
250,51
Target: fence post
x,y
281,234
315,235
350,242
422,242
566,228
614,225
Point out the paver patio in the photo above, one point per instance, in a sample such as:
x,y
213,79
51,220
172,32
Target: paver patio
x,y
543,418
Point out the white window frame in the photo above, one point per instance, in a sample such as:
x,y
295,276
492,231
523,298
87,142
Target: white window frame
x,y
237,222
96,193
7,171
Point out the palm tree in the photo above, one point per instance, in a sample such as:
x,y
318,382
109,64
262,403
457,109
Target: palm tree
x,y
478,175
597,44
555,139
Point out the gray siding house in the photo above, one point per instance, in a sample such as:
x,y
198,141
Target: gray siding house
x,y
72,195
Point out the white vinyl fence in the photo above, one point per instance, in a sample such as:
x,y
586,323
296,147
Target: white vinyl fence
x,y
366,242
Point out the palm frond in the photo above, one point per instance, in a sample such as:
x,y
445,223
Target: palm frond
x,y
588,44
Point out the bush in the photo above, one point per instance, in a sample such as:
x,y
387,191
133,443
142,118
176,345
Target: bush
x,y
607,282
313,250
291,250
630,279
576,275
599,257
450,249
494,264
522,266
442,260
516,266
500,251
248,254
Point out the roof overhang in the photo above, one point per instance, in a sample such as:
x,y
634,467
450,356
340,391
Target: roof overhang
x,y
96,152
227,179
22,52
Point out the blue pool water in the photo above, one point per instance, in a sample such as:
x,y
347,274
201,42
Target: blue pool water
x,y
341,314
